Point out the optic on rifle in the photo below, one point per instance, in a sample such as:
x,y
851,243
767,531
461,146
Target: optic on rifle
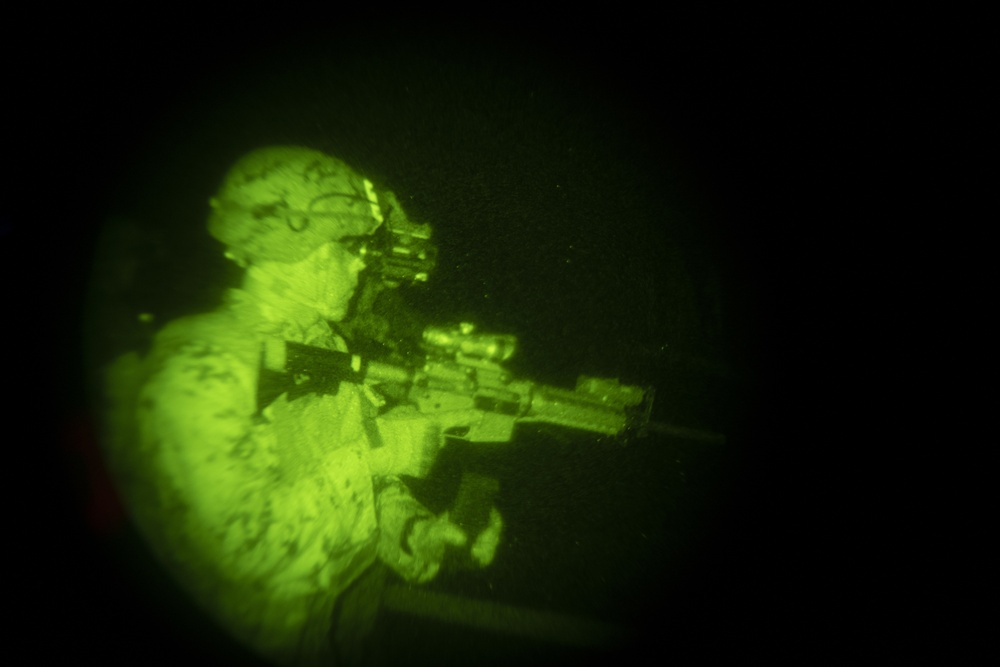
x,y
463,339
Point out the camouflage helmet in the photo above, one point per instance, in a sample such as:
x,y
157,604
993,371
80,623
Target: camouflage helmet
x,y
282,202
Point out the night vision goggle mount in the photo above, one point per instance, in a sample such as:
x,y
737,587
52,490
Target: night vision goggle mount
x,y
400,251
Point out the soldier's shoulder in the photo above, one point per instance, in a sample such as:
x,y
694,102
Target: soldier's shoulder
x,y
217,333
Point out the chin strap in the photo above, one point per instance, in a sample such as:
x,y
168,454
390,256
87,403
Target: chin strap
x,y
373,201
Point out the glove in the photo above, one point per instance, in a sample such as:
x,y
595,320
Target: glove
x,y
473,510
427,542
484,548
431,537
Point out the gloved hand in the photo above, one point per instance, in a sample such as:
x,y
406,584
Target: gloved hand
x,y
429,539
484,548
427,543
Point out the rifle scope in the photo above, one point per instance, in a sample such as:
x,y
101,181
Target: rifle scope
x,y
462,339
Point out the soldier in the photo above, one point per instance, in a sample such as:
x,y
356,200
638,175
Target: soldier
x,y
266,510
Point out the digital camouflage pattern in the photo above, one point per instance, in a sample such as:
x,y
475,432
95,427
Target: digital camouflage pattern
x,y
264,516
282,202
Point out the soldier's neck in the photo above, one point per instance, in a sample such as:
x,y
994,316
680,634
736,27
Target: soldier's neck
x,y
275,303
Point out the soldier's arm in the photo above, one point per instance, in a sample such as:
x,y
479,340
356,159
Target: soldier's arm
x,y
231,498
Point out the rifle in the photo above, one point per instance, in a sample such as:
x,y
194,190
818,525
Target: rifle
x,y
462,370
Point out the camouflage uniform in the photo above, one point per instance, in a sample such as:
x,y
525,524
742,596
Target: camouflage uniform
x,y
264,518
264,514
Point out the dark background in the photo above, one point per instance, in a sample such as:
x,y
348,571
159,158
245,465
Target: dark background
x,y
631,203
